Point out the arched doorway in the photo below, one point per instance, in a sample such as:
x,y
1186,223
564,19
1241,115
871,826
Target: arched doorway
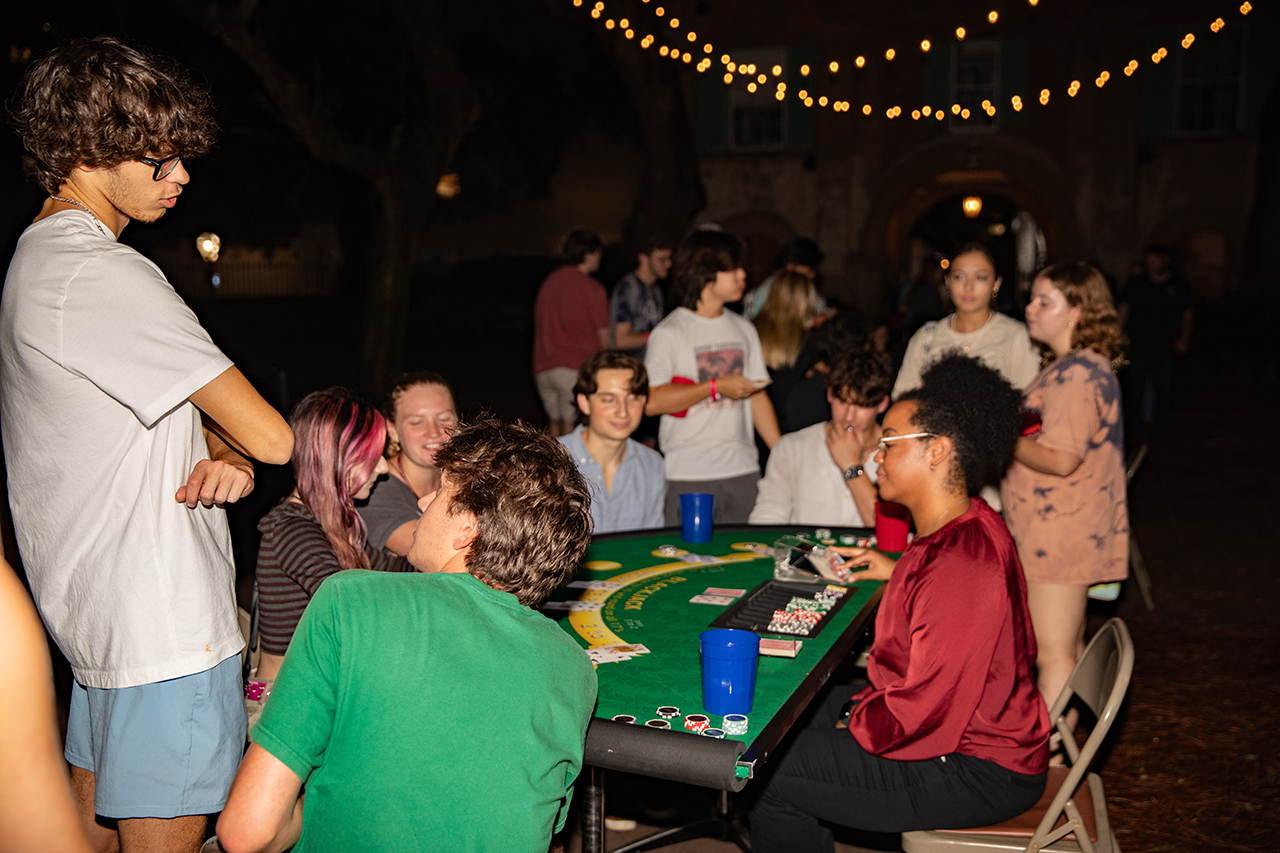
x,y
1009,174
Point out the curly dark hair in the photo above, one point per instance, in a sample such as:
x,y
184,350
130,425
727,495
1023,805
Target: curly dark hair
x,y
98,102
532,507
861,377
980,412
700,256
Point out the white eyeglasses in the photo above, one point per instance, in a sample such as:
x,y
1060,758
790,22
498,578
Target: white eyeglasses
x,y
884,442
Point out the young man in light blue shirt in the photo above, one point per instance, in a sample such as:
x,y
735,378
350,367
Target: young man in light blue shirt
x,y
626,478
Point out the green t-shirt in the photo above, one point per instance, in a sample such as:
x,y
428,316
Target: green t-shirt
x,y
428,712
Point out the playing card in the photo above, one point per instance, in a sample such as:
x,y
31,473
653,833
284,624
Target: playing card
x,y
721,600
594,585
719,590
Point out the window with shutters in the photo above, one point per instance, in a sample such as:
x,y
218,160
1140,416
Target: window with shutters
x,y
975,83
758,120
1209,85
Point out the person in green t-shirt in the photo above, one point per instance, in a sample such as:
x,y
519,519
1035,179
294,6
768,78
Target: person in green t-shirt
x,y
436,710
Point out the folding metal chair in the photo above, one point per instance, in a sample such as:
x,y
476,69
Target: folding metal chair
x,y
1072,813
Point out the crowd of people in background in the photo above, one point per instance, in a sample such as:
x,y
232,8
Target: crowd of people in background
x,y
408,522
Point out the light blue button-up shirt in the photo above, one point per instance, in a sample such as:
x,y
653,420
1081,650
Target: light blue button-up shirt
x,y
639,486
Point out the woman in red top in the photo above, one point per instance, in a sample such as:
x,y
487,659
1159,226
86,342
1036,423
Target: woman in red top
x,y
951,731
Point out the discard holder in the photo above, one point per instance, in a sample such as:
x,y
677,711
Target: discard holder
x,y
695,516
729,658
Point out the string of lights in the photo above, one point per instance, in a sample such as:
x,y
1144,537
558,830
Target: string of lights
x,y
758,77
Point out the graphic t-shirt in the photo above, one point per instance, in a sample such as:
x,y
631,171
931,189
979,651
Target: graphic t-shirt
x,y
715,440
636,303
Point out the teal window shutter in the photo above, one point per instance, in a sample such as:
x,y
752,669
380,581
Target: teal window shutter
x,y
1261,69
937,76
800,117
1013,80
1159,82
713,113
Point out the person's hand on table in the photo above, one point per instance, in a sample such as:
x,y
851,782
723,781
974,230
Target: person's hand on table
x,y
844,446
879,567
735,386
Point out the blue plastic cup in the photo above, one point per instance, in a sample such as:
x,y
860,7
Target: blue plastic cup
x,y
695,516
728,670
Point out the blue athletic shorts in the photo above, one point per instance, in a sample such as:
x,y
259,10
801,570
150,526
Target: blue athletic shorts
x,y
160,750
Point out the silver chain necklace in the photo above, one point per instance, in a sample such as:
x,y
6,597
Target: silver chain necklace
x,y
85,208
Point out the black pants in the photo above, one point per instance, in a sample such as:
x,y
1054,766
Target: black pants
x,y
1154,372
825,775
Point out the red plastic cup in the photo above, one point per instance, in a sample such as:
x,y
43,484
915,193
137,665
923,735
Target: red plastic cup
x,y
892,521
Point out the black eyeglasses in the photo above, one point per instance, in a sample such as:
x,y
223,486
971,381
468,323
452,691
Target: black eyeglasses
x,y
163,168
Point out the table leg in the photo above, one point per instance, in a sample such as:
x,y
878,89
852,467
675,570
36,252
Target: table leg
x,y
592,793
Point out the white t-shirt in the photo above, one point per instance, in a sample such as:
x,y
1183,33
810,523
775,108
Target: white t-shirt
x,y
98,356
714,441
1002,344
802,485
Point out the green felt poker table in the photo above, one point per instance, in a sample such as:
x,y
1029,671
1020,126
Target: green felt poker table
x,y
645,600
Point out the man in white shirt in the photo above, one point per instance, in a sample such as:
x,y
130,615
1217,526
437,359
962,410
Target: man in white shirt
x,y
125,432
708,374
625,477
825,474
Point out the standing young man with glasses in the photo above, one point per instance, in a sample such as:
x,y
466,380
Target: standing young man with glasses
x,y
125,431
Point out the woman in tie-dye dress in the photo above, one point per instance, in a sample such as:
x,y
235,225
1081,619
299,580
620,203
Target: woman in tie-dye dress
x,y
1064,496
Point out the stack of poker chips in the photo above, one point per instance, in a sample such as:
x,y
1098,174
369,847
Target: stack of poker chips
x,y
697,722
801,614
735,724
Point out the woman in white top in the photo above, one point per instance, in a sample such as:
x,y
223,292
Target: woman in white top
x,y
975,329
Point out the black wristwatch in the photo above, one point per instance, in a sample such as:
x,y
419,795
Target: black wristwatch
x,y
853,472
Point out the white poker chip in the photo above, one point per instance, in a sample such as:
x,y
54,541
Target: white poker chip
x,y
625,718
658,724
667,550
715,733
735,724
668,712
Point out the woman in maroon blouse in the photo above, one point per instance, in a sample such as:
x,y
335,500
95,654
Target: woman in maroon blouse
x,y
951,731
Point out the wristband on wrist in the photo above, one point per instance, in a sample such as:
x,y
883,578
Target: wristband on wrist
x,y
715,398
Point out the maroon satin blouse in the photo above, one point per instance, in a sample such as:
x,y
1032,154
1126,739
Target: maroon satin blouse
x,y
951,666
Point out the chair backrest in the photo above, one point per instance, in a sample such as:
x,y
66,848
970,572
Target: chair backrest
x,y
1135,462
1100,680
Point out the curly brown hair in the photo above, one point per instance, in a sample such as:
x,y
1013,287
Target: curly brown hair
x,y
98,102
1099,327
532,507
861,377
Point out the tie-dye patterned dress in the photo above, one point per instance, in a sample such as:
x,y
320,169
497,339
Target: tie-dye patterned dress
x,y
1073,529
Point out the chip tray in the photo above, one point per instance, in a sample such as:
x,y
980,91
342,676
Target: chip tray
x,y
754,610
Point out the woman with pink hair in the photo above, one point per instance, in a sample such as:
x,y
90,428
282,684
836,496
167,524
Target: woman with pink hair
x,y
315,531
